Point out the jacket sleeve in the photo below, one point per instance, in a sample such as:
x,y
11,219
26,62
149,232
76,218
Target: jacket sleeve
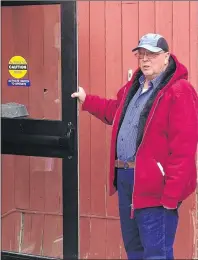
x,y
103,109
182,139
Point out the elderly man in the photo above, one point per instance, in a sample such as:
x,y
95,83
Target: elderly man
x,y
153,147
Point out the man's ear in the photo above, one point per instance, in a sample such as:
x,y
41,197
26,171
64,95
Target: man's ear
x,y
167,56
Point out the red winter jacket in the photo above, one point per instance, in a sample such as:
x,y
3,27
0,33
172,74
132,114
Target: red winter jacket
x,y
165,165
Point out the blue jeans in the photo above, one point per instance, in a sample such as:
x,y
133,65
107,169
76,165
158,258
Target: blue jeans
x,y
151,233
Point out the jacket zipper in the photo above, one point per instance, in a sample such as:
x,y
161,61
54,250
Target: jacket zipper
x,y
132,205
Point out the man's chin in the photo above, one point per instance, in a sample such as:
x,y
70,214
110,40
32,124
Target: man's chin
x,y
147,74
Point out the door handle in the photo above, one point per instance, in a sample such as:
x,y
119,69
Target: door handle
x,y
64,142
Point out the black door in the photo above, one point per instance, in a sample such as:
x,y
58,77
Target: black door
x,y
39,131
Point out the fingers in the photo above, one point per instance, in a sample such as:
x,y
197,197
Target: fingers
x,y
75,95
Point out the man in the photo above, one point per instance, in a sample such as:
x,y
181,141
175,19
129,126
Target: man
x,y
153,147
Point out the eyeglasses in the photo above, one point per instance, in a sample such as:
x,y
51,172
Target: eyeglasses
x,y
149,55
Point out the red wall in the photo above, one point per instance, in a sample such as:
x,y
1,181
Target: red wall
x,y
32,186
108,30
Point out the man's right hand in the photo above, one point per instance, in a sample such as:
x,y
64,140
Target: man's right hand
x,y
80,95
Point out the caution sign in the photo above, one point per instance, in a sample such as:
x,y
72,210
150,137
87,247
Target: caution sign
x,y
17,67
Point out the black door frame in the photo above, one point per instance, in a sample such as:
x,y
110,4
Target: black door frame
x,y
53,138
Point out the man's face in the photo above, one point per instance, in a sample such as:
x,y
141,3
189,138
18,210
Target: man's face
x,y
152,63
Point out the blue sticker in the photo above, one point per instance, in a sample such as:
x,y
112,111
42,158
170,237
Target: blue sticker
x,y
18,82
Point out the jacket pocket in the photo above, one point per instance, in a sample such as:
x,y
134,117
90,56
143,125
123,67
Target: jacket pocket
x,y
150,177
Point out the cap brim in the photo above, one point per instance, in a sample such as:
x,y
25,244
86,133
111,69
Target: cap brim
x,y
148,47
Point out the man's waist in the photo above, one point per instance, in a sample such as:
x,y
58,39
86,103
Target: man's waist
x,y
124,164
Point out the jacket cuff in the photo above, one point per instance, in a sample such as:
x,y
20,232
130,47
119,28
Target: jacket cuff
x,y
169,202
85,104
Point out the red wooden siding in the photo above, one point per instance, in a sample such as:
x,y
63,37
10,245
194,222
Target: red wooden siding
x,y
108,30
38,41
32,186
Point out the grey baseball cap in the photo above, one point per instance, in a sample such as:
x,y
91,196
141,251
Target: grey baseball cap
x,y
153,42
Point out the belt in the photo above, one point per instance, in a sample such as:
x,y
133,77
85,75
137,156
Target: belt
x,y
124,165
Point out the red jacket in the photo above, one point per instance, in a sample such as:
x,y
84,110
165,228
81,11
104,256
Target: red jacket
x,y
165,165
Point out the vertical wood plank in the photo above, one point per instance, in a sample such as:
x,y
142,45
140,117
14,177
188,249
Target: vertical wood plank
x,y
11,225
98,239
37,183
97,83
124,255
32,234
84,118
20,19
7,183
113,76
53,237
52,62
194,44
146,17
113,47
53,184
129,37
181,45
113,240
84,237
7,94
36,59
22,182
184,241
164,23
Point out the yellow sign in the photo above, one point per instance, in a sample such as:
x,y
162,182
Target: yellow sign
x,y
17,67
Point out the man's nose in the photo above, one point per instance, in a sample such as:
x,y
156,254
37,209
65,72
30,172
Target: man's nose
x,y
145,57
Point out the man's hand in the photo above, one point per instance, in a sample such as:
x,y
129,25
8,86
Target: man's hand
x,y
80,95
